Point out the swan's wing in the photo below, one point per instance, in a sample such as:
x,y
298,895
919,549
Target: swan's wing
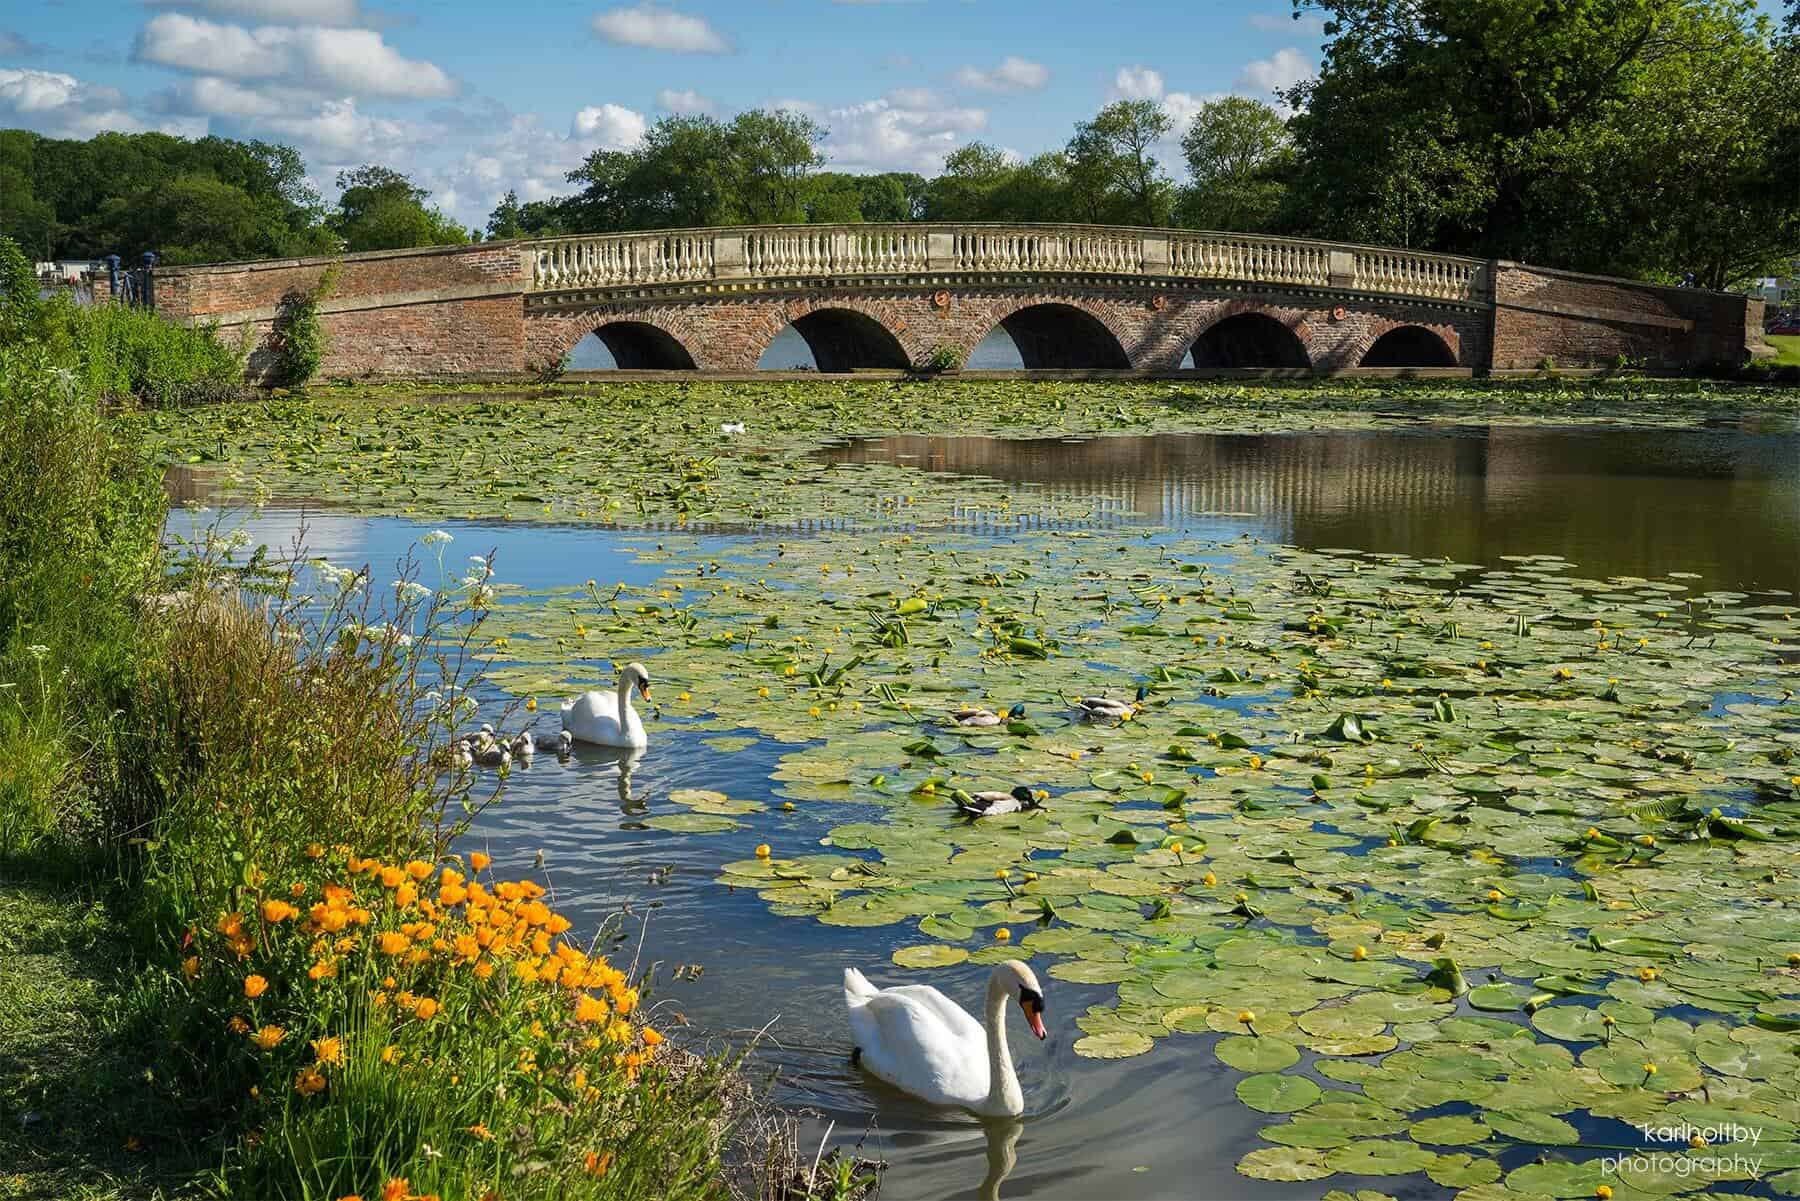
x,y
919,1040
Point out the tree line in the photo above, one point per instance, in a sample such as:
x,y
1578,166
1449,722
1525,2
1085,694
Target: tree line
x,y
1652,138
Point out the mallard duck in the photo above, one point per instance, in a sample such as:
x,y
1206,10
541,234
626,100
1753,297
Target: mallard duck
x,y
975,715
992,804
1093,707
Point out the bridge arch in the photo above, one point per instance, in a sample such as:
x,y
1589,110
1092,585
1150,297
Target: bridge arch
x,y
1056,335
1251,338
642,346
1409,346
843,335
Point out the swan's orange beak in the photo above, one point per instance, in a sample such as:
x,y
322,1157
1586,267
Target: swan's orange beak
x,y
645,689
1035,1020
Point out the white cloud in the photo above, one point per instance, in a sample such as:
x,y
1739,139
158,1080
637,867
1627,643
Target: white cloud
x,y
1282,70
342,135
890,134
670,100
61,105
326,62
1014,74
276,12
655,28
1311,24
609,126
1138,83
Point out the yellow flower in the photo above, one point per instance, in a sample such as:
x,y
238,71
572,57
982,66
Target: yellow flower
x,y
390,1054
418,869
1248,1017
393,942
1209,879
329,1051
651,1037
1603,1192
190,967
1002,934
426,1009
531,704
255,986
1256,763
683,697
1649,1069
762,850
309,1081
314,851
1646,974
589,1009
1495,896
1360,953
1175,847
237,1025
479,860
269,1037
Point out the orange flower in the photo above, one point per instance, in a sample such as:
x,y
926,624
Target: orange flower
x,y
314,851
391,877
296,889
426,1009
190,967
309,1081
597,1164
277,911
329,1051
479,860
237,1025
393,942
651,1037
395,1189
480,1131
587,1009
418,869
229,924
255,986
269,1037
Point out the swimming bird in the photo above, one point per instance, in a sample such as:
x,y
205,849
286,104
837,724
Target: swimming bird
x,y
992,804
923,1043
562,742
729,428
491,754
591,717
975,715
1093,707
523,746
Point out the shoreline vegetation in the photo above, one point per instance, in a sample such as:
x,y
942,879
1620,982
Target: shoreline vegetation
x,y
240,957
238,952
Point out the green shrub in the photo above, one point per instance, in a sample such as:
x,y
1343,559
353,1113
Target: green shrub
x,y
943,357
18,291
300,340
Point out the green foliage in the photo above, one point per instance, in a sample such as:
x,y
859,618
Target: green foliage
x,y
381,209
300,341
943,357
1113,173
1638,137
980,183
1238,155
191,200
18,290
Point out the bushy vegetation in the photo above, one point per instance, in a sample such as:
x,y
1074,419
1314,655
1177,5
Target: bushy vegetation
x,y
226,810
300,340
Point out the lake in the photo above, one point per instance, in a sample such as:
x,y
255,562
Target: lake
x,y
1716,508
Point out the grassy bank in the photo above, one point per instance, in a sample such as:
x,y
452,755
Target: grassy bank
x,y
239,958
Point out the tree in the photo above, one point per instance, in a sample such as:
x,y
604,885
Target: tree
x,y
381,209
1581,132
981,183
769,155
1238,153
1112,165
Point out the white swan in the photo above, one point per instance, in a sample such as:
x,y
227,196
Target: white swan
x,y
923,1043
591,717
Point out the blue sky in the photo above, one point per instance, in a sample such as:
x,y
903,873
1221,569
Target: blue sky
x,y
473,97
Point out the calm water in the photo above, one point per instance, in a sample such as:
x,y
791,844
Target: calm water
x,y
1723,503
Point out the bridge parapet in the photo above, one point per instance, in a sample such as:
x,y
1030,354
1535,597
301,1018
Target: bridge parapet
x,y
774,253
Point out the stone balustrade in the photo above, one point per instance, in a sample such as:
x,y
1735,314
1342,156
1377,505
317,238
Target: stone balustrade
x,y
862,252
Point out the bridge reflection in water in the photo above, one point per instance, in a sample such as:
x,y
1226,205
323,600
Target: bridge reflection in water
x,y
1720,502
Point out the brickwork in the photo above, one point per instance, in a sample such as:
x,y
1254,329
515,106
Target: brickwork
x,y
1591,321
732,334
472,311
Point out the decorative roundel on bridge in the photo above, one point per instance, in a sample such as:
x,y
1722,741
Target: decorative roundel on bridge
x,y
1339,313
941,299
1159,303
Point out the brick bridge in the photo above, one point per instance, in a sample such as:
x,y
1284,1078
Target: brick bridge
x,y
864,297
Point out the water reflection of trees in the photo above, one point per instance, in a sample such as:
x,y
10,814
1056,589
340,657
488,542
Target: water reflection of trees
x,y
1724,503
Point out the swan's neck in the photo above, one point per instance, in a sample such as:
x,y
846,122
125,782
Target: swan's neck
x,y
1004,1094
627,715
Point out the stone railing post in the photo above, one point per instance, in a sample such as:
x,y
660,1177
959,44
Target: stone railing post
x,y
728,257
1155,254
1341,265
940,250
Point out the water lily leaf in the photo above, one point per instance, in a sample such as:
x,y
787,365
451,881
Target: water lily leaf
x,y
1528,1127
1121,1044
1274,1093
692,823
1379,1157
1454,1130
1284,1163
930,955
1249,1053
